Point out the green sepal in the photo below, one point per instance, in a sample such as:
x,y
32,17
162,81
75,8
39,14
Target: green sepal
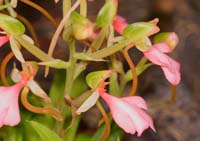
x,y
107,13
56,63
11,25
143,44
85,57
94,78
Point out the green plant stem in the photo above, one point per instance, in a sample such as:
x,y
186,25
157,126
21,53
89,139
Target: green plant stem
x,y
83,8
70,71
105,52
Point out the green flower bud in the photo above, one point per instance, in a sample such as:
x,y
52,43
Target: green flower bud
x,y
107,13
82,28
170,38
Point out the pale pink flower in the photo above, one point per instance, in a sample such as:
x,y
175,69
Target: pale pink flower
x,y
129,114
3,39
9,107
170,67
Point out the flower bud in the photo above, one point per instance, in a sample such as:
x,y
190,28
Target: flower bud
x,y
82,28
107,13
170,38
140,30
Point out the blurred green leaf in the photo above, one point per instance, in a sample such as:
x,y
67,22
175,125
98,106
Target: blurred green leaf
x,y
45,133
83,137
11,25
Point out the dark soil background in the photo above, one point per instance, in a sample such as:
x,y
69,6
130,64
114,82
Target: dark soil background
x,y
182,121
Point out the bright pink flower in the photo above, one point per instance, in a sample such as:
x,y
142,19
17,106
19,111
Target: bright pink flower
x,y
3,40
119,24
170,67
128,113
9,108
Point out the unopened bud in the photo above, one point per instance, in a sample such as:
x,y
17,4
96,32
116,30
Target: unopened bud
x,y
82,28
107,13
138,31
170,38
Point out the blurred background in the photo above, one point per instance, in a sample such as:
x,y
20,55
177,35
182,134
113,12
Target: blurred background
x,y
180,122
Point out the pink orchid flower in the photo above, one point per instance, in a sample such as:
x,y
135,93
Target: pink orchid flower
x,y
3,39
127,112
9,107
170,67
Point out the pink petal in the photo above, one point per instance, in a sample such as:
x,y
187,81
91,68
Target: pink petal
x,y
127,116
170,67
148,119
3,40
9,109
119,24
135,100
162,47
172,73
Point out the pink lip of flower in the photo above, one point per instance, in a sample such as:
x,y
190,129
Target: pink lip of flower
x,y
3,39
9,108
170,67
128,113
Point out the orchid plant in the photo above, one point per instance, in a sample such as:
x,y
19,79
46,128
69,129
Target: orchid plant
x,y
56,116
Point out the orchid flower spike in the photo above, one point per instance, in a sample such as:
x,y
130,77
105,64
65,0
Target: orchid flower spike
x,y
9,107
128,112
170,67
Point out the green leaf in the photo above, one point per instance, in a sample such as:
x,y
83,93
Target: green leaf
x,y
11,25
94,78
107,13
83,137
45,133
